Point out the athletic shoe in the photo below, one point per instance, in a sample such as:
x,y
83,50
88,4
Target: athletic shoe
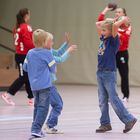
x,y
7,98
30,102
104,128
125,99
129,126
36,135
52,130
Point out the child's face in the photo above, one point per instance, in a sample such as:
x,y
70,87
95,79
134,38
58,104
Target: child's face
x,y
105,32
27,17
119,12
48,43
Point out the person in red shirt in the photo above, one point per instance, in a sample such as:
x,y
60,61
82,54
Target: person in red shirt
x,y
22,35
122,56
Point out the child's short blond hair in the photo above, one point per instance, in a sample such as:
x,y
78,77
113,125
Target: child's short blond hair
x,y
107,24
40,36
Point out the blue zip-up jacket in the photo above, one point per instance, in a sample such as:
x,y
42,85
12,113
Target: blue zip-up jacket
x,y
40,65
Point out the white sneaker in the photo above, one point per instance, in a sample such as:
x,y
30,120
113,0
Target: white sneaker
x,y
36,135
7,98
52,130
125,99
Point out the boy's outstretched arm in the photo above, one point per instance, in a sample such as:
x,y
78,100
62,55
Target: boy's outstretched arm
x,y
66,55
61,50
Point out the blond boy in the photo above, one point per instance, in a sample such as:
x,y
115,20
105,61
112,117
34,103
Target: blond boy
x,y
106,76
40,64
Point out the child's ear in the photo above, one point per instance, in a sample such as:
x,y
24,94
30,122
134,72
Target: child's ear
x,y
48,45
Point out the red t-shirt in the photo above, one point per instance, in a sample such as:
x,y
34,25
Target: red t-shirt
x,y
124,35
23,39
124,38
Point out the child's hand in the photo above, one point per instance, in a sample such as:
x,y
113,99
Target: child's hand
x,y
116,19
126,20
72,48
106,10
67,37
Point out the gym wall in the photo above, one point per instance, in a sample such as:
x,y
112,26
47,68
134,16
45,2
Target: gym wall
x,y
77,17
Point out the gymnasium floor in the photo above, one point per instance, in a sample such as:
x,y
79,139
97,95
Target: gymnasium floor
x,y
79,118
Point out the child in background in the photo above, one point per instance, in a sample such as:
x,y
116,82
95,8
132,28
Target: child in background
x,y
40,64
22,34
60,56
106,76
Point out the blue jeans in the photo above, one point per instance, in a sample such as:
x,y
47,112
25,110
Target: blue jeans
x,y
41,107
107,92
57,106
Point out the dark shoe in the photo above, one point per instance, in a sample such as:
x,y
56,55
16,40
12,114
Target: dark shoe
x,y
129,126
104,128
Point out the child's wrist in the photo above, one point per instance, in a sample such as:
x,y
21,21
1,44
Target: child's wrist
x,y
105,11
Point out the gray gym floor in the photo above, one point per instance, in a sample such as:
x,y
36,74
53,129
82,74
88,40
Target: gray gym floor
x,y
79,119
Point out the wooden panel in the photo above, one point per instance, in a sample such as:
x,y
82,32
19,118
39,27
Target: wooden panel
x,y
6,60
7,76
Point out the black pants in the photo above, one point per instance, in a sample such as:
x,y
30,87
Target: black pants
x,y
122,58
22,79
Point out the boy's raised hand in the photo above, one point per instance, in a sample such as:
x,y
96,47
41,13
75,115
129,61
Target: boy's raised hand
x,y
67,37
72,48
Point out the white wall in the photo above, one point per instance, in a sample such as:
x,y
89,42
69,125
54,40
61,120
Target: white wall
x,y
77,17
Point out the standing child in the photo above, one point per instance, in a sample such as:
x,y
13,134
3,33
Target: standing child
x,y
60,56
122,56
40,64
106,76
